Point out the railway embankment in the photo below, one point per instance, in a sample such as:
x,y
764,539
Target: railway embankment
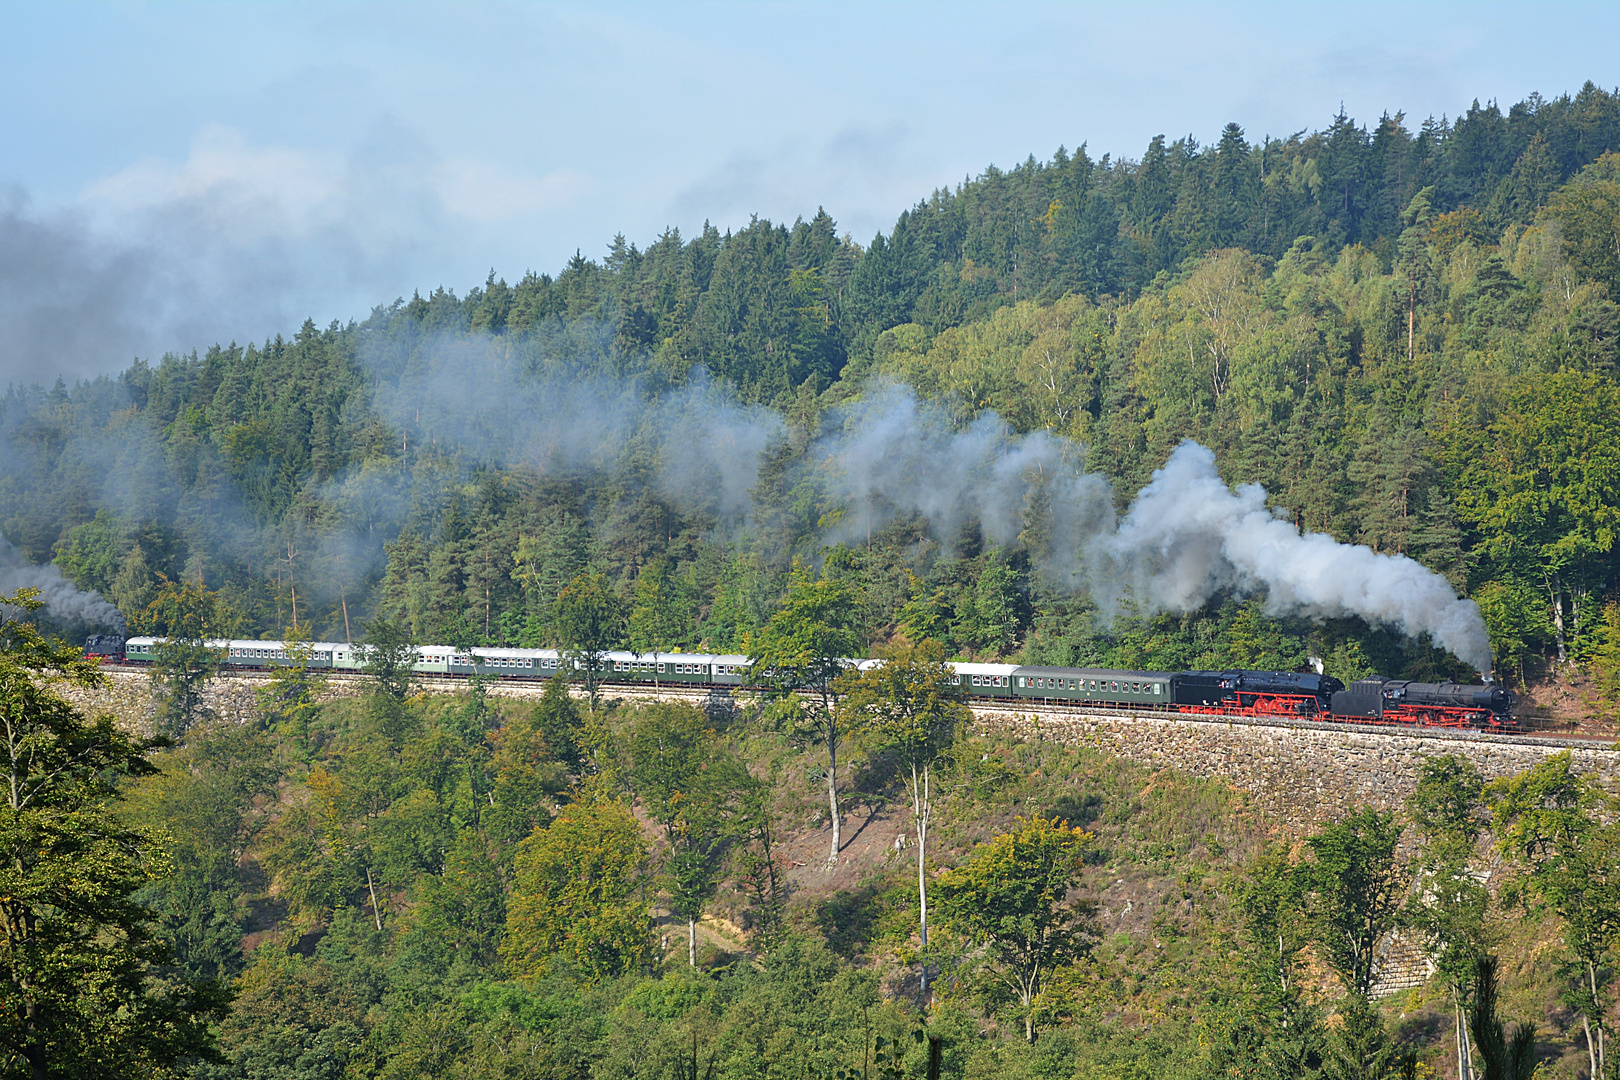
x,y
1300,772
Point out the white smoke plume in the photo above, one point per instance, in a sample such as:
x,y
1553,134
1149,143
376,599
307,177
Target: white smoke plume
x,y
61,597
1188,536
894,456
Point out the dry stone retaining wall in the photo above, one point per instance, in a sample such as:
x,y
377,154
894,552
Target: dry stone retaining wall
x,y
1300,772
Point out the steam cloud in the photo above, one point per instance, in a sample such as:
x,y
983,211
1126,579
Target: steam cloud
x,y
891,455
697,445
886,456
1186,538
61,597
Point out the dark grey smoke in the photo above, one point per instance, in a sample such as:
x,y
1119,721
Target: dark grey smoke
x,y
61,597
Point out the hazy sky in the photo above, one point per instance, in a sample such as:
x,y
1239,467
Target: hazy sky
x,y
172,174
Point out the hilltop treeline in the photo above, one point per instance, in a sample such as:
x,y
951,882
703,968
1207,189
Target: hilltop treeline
x,y
1407,334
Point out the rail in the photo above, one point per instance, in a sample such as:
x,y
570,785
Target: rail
x,y
1532,731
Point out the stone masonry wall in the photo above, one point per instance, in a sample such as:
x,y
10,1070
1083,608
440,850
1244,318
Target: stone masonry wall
x,y
1303,773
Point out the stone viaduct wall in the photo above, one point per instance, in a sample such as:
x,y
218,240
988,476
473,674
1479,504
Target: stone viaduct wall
x,y
1303,773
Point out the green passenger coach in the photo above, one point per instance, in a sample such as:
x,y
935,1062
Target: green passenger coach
x,y
1083,685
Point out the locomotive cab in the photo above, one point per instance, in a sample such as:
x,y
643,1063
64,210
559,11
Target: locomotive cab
x,y
107,648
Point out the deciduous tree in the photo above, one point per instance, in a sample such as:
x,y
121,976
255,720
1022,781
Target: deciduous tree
x,y
1559,826
187,617
1356,890
78,987
575,895
689,784
1011,896
590,622
1448,904
805,647
913,703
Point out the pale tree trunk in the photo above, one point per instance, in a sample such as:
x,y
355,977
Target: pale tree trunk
x,y
1555,590
691,942
1411,321
832,776
1594,1047
1465,1057
1026,992
376,911
921,811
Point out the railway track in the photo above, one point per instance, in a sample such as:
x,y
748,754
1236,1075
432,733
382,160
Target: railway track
x,y
1034,708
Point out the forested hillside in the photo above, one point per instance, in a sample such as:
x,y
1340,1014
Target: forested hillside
x,y
786,442
1405,332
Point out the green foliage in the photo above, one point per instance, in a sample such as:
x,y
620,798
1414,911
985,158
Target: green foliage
x,y
81,976
809,635
1449,904
1359,1046
661,619
187,617
589,621
1280,1030
1559,826
1588,214
573,897
1011,896
388,655
1505,1057
690,785
201,797
1542,485
292,696
1357,886
805,646
911,703
534,751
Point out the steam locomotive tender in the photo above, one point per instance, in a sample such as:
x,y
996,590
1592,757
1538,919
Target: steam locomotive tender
x,y
1299,695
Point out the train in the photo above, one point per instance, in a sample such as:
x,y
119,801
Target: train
x,y
1299,695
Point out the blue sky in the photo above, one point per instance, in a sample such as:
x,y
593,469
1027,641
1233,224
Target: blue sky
x,y
174,174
